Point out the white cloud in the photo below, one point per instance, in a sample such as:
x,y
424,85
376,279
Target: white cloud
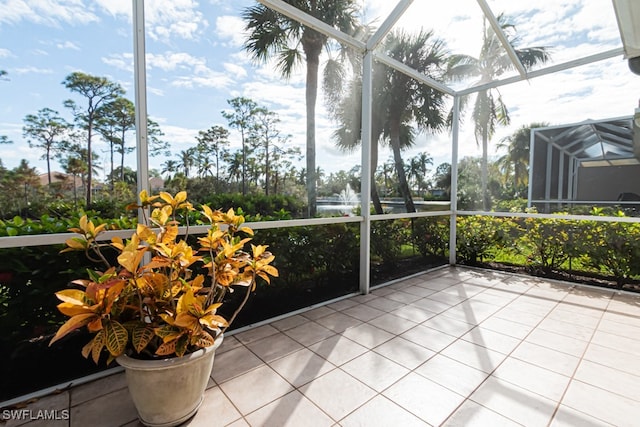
x,y
230,28
168,18
47,12
67,45
32,70
5,53
235,70
120,61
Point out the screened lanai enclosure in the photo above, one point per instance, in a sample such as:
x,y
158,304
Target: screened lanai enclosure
x,y
364,141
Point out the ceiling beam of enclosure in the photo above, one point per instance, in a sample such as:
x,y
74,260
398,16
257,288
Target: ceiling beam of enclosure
x,y
401,7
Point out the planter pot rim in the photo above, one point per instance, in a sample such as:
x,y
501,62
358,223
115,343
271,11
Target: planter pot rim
x,y
152,365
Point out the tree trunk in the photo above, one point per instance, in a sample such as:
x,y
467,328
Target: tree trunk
x,y
313,61
89,162
375,196
397,157
484,174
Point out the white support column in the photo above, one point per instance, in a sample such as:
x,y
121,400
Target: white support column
x,y
140,83
453,192
547,181
561,177
532,150
365,191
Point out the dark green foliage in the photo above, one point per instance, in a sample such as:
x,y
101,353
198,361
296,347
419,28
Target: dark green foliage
x,y
477,236
431,236
387,238
254,205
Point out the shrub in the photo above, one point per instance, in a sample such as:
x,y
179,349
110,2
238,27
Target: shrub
x,y
430,236
477,236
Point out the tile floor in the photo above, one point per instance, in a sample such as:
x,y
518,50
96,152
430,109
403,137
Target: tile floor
x,y
452,347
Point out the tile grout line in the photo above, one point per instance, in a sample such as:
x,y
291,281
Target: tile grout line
x,y
575,370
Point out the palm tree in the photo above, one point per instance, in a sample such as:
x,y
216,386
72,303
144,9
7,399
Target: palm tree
x,y
169,167
489,110
515,164
399,103
187,160
273,34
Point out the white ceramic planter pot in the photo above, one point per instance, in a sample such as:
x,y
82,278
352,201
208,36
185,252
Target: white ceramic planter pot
x,y
168,392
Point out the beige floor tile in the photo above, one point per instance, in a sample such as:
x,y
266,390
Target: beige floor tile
x,y
427,400
111,409
419,291
472,414
318,312
567,417
492,340
622,318
515,330
240,423
589,297
524,304
573,317
447,298
603,405
434,306
429,338
454,375
256,334
619,329
405,352
474,355
273,347
375,370
561,363
385,304
367,335
518,316
533,378
617,342
301,367
626,306
471,312
338,322
392,323
89,391
309,333
626,362
464,290
609,378
291,410
247,397
216,409
491,298
381,412
449,326
343,304
414,313
515,403
338,349
363,312
289,322
561,343
233,363
400,296
438,283
337,393
229,343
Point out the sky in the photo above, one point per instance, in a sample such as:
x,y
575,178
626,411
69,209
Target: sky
x,y
196,62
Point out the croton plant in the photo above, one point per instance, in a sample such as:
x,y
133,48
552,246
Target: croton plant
x,y
153,301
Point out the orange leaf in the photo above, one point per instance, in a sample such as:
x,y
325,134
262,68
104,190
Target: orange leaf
x,y
72,324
